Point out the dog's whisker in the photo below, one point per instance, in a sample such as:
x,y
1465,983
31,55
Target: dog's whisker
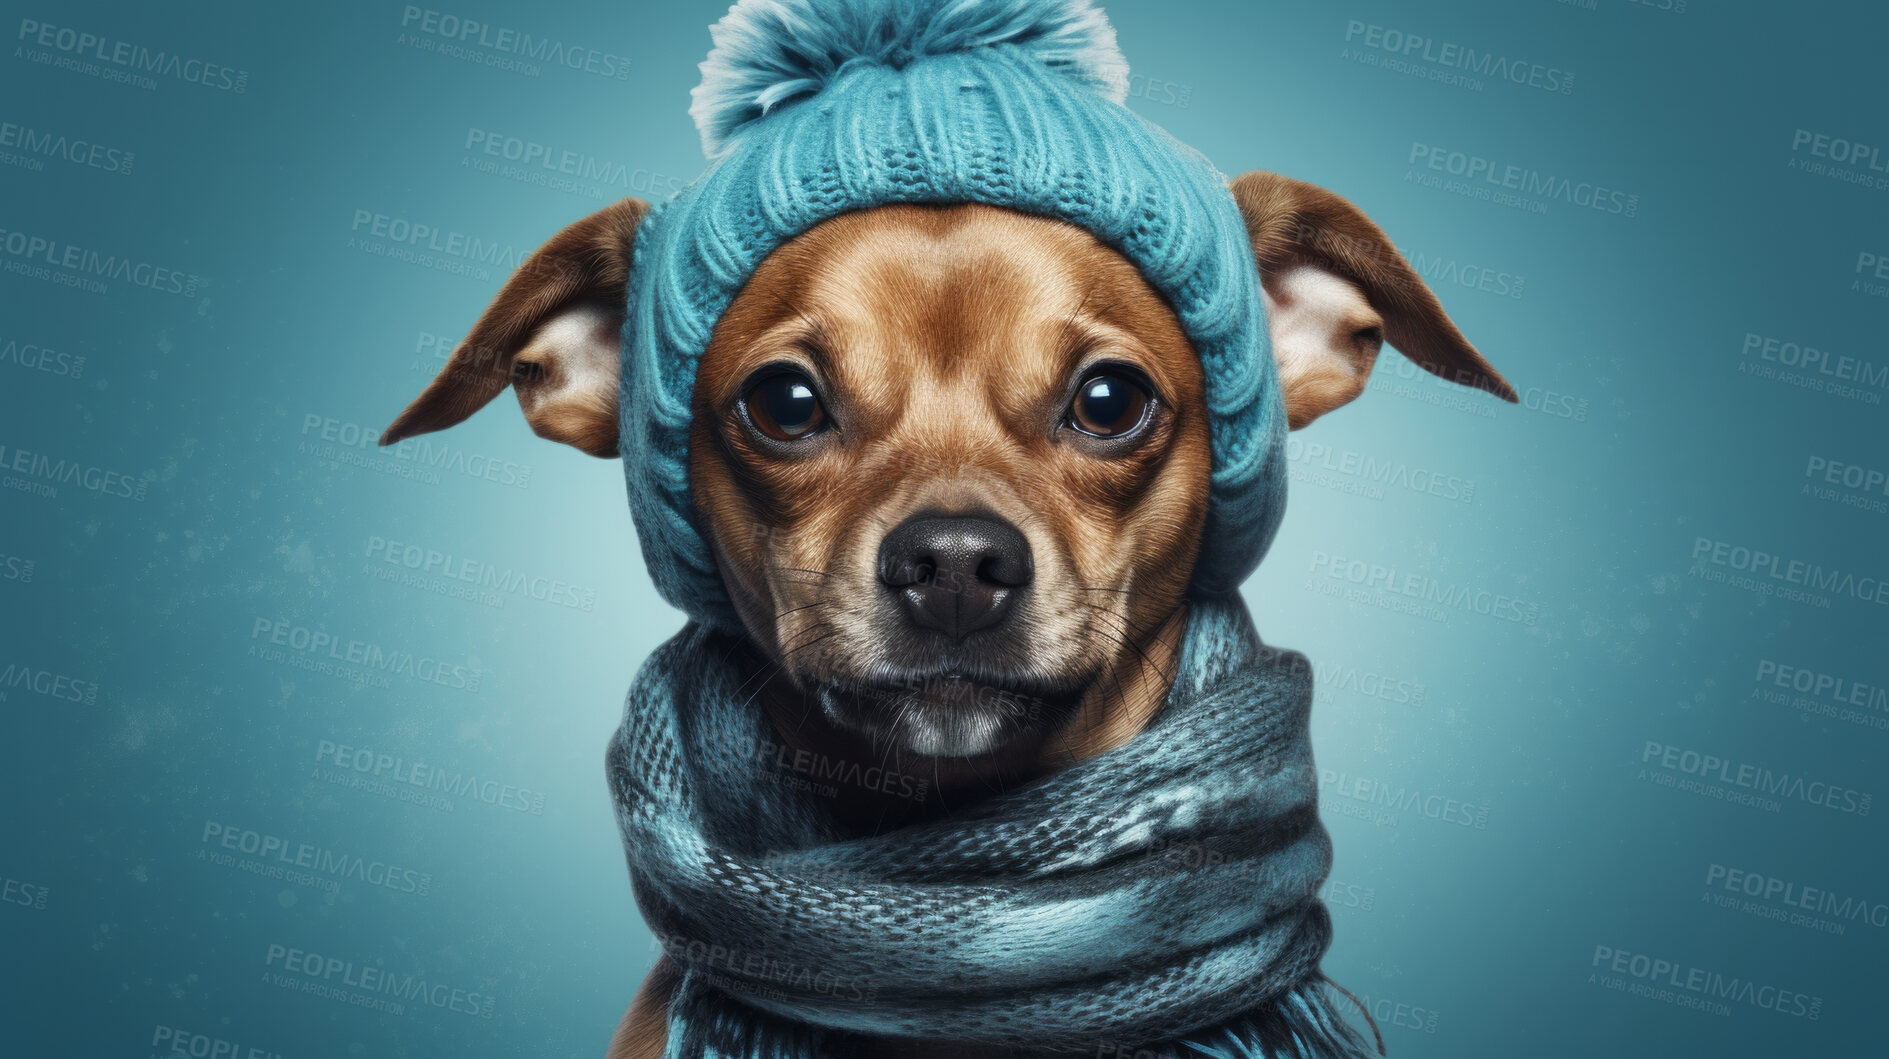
x,y
1149,633
760,674
1098,606
766,673
805,606
1120,635
788,652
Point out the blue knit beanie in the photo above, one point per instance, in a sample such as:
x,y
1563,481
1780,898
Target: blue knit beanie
x,y
813,108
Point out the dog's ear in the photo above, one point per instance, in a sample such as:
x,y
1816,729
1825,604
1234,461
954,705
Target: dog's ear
x,y
1336,289
553,334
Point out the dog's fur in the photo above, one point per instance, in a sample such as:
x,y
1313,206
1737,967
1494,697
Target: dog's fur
x,y
945,343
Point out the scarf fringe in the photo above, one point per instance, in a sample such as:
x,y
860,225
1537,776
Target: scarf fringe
x,y
1303,1024
721,1030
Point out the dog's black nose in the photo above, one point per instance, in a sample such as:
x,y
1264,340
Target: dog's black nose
x,y
955,574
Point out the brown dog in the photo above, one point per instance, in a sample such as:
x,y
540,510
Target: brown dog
x,y
953,461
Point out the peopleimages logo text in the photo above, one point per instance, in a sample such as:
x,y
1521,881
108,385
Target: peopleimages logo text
x,y
41,250
564,162
1742,775
1524,180
289,853
1427,589
474,33
377,982
1421,48
1848,908
134,57
1707,984
39,144
1836,689
370,657
505,579
1760,563
42,475
395,769
404,231
411,457
48,683
1839,150
172,1042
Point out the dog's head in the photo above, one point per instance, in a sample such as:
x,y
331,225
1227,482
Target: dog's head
x,y
953,460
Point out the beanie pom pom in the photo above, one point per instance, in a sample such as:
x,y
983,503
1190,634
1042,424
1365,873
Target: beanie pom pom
x,y
772,52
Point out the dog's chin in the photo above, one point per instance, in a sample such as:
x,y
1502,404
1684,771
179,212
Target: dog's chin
x,y
947,715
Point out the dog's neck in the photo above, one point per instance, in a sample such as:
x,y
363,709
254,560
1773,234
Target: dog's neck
x,y
874,787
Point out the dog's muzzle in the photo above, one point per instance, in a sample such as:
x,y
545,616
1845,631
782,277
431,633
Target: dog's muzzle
x,y
959,679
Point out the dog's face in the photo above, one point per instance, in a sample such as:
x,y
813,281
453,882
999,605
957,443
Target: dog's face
x,y
953,461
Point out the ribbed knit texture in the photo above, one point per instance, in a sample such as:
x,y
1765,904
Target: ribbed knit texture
x,y
1164,892
997,124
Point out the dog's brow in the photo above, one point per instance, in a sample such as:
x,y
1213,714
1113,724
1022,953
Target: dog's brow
x,y
817,341
805,332
1082,332
1076,315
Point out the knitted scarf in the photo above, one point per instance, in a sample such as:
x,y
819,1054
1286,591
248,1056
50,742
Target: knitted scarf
x,y
1161,896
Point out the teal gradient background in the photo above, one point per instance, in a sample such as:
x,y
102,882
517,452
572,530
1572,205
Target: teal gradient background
x,y
1498,816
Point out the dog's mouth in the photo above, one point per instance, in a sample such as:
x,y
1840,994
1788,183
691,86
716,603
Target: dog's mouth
x,y
948,713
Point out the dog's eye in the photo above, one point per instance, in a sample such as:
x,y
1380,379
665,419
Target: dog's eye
x,y
785,406
1109,404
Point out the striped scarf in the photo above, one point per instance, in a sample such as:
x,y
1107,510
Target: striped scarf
x,y
1161,898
